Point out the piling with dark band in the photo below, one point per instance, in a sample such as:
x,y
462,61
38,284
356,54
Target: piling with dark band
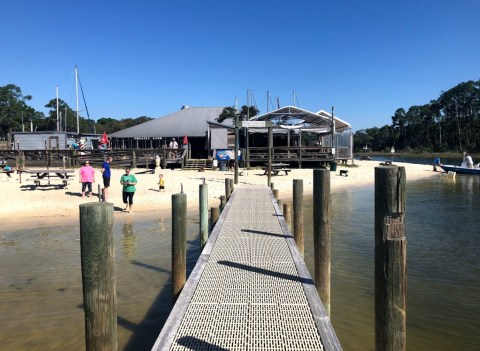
x,y
390,259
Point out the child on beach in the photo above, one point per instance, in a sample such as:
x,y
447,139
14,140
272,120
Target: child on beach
x,y
161,183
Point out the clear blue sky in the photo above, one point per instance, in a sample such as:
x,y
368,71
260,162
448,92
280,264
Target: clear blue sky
x,y
148,58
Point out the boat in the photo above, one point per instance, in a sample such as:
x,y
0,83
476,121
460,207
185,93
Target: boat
x,y
466,167
460,169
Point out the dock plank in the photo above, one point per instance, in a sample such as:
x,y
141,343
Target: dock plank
x,y
250,288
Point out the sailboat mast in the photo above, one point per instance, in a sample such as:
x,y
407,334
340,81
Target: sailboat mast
x,y
58,121
76,96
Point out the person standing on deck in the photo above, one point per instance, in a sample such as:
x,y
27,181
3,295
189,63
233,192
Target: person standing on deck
x,y
87,178
106,174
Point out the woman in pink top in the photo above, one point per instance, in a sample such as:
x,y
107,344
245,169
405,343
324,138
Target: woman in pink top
x,y
87,177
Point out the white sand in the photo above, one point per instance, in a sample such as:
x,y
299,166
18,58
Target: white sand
x,y
19,203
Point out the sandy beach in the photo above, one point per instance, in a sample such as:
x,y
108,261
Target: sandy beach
x,y
20,203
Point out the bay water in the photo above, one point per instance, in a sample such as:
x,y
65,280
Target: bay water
x,y
41,288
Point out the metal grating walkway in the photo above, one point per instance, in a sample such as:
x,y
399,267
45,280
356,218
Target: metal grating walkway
x,y
250,289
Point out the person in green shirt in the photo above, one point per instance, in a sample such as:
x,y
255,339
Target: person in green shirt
x,y
128,181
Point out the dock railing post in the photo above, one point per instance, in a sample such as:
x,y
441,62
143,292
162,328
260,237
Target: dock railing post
x,y
134,161
97,253
390,259
275,194
203,204
179,243
223,202
287,214
214,214
298,213
321,234
227,188
232,185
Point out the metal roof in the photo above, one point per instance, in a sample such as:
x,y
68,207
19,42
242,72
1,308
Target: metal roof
x,y
190,121
290,117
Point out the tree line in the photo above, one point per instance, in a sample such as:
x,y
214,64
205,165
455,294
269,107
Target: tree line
x,y
449,123
17,116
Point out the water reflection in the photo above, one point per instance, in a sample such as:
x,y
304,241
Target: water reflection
x,y
128,241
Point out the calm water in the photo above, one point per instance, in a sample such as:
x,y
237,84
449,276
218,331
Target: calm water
x,y
41,290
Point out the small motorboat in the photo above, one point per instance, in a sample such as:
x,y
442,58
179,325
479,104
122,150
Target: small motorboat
x,y
467,166
460,169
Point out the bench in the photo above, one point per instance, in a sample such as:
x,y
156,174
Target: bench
x,y
62,183
344,172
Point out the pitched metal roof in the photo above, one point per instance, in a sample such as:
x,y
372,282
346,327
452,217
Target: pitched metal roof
x,y
191,121
290,117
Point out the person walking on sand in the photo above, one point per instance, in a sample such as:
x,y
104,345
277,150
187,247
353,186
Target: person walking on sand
x,y
87,178
128,181
106,175
161,183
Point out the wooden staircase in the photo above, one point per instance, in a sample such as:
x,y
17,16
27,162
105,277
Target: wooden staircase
x,y
196,164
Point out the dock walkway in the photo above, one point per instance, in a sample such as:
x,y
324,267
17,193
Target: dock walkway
x,y
250,289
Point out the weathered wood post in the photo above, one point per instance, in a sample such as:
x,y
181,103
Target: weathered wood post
x,y
390,259
97,253
179,243
100,197
275,194
280,205
227,188
134,160
203,204
164,159
231,185
321,234
298,213
223,202
214,214
287,213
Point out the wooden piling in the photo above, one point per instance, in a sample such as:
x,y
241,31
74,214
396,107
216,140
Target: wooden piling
x,y
287,213
179,243
203,205
232,186
275,194
98,275
214,214
280,205
134,161
164,159
223,202
298,214
227,188
321,234
390,259
100,198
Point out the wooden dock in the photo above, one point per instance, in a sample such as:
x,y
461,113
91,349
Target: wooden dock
x,y
250,289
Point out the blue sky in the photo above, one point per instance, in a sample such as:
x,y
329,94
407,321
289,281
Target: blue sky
x,y
148,58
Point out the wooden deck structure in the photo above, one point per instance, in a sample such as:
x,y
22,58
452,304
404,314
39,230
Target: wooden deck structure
x,y
250,288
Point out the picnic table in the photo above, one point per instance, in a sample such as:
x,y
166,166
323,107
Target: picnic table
x,y
277,168
46,177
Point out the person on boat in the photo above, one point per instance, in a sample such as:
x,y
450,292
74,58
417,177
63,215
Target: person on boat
x,y
436,163
469,161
